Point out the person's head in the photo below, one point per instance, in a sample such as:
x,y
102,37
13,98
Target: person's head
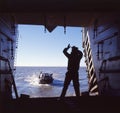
x,y
74,49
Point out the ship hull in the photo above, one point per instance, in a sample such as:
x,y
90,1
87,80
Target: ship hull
x,y
102,54
8,38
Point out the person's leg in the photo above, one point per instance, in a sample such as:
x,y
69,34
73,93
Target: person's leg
x,y
76,84
66,84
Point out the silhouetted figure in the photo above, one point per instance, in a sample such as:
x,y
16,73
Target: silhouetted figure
x,y
73,67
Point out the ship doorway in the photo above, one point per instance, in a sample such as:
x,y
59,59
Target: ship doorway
x,y
38,50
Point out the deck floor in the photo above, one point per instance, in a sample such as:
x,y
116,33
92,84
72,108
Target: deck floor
x,y
68,105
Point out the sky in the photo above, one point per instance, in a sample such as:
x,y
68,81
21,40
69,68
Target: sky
x,y
37,48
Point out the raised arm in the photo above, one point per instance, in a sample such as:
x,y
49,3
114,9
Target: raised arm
x,y
65,51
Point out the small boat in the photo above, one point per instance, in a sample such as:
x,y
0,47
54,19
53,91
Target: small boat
x,y
45,78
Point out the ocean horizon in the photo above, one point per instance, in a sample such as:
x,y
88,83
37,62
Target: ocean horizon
x,y
27,81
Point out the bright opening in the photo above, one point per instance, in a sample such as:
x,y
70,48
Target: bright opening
x,y
43,52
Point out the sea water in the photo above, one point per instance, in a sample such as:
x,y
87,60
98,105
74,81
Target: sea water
x,y
27,81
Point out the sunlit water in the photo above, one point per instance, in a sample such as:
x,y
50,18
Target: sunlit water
x,y
27,81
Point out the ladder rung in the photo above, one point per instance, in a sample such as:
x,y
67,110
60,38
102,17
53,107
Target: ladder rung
x,y
5,72
110,71
3,58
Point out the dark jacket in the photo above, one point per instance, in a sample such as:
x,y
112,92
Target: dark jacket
x,y
73,59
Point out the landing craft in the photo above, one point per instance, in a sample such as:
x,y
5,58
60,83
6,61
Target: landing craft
x,y
45,78
100,21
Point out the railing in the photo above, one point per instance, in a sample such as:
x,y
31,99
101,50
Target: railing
x,y
9,72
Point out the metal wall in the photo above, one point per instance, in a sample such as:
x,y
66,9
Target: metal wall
x,y
104,39
8,37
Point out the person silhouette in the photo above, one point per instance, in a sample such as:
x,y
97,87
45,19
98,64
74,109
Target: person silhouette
x,y
72,70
